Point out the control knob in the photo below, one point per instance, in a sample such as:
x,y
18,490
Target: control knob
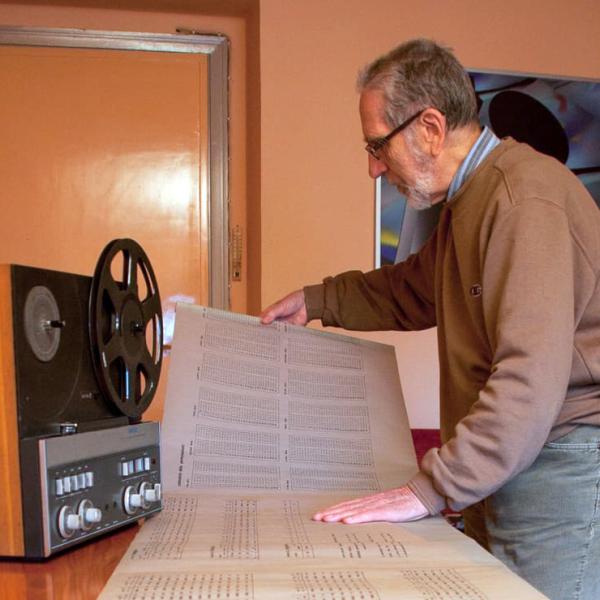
x,y
151,493
68,522
88,514
146,495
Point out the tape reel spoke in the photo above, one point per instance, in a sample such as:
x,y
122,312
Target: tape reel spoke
x,y
151,307
133,262
126,326
128,386
111,351
113,291
150,365
134,384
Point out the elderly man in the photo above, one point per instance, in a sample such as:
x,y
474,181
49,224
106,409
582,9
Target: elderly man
x,y
510,278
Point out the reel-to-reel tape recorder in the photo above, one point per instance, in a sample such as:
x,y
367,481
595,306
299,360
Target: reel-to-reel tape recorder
x,y
80,361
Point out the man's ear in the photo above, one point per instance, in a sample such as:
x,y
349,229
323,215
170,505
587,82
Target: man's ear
x,y
433,124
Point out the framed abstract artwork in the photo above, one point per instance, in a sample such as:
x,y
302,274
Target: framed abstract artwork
x,y
557,116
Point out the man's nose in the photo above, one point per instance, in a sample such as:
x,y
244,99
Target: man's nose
x,y
376,167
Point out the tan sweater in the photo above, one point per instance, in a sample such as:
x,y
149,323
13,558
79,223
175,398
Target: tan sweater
x,y
510,278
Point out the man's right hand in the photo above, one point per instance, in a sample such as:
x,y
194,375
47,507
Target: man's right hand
x,y
291,309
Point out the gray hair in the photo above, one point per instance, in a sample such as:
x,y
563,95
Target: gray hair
x,y
419,74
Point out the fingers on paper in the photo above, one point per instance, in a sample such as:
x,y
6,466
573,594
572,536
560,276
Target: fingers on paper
x,y
291,309
394,506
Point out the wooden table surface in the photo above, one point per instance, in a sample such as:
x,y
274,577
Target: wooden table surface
x,y
77,574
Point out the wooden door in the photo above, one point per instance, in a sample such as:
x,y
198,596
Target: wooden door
x,y
101,144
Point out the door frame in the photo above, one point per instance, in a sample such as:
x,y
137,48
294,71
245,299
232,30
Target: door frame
x,y
216,47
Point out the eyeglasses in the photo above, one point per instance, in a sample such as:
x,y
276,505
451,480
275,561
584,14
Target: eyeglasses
x,y
374,147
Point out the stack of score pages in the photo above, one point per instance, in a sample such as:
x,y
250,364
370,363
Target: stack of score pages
x,y
263,426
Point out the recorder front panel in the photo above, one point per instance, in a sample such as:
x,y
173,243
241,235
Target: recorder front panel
x,y
92,495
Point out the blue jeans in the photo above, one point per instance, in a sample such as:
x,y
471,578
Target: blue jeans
x,y
545,523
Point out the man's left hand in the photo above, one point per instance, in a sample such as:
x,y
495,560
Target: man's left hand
x,y
399,504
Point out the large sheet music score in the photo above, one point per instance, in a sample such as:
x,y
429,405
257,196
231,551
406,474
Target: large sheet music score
x,y
281,408
264,425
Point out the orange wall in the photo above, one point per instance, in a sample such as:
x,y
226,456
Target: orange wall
x,y
317,200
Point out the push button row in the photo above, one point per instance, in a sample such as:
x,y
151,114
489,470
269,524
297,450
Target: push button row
x,y
139,465
74,483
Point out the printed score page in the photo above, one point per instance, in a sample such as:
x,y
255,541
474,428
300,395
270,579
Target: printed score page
x,y
263,426
281,408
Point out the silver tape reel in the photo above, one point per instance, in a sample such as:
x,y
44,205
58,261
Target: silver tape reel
x,y
42,323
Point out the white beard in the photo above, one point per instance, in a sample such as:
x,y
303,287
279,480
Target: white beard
x,y
419,195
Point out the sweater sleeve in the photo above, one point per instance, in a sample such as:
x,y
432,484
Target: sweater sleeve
x,y
528,308
397,297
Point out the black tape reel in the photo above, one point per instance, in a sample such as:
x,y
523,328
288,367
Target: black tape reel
x,y
125,325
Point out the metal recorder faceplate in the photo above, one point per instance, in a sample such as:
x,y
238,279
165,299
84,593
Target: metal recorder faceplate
x,y
80,360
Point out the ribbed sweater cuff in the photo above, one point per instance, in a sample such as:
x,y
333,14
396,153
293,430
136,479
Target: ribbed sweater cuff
x,y
422,486
314,298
